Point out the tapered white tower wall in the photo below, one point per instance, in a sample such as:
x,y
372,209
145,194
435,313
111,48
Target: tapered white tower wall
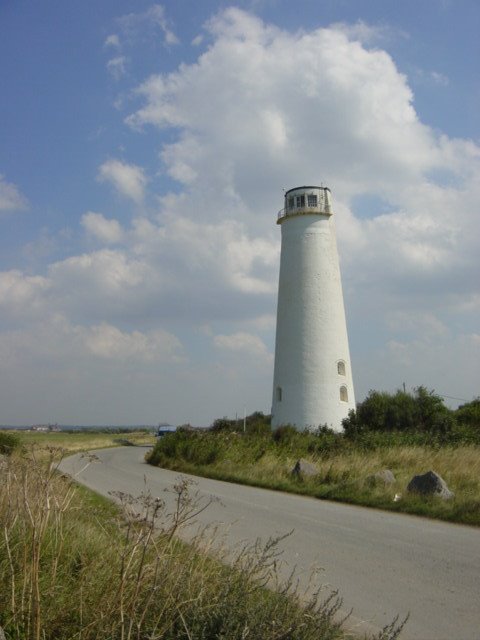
x,y
312,383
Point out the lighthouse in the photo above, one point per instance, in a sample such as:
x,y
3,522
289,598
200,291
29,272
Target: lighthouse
x,y
312,381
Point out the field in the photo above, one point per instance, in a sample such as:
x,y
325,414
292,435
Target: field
x,y
73,441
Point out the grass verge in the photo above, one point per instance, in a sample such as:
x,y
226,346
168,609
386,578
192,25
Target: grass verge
x,y
73,565
343,468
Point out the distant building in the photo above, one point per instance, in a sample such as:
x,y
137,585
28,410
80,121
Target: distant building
x,y
45,427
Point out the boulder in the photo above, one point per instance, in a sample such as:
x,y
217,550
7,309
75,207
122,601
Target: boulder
x,y
304,469
384,477
430,483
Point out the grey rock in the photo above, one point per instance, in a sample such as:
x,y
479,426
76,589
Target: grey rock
x,y
384,477
304,469
430,483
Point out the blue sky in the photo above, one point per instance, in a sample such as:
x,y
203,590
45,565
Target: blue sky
x,y
143,152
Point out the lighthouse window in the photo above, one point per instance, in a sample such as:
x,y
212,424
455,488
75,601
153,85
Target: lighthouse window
x,y
291,202
341,368
343,394
312,201
279,394
300,201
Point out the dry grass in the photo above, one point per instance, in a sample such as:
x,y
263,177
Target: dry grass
x,y
72,442
72,566
342,475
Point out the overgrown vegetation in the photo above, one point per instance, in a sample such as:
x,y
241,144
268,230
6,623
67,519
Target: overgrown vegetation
x,y
74,566
406,433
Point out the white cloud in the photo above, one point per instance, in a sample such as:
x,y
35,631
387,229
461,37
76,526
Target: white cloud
x,y
128,179
117,66
149,21
246,343
22,293
55,338
368,33
300,104
205,257
108,231
112,41
439,78
107,341
10,197
107,271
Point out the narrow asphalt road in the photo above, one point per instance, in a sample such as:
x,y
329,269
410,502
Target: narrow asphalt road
x,y
382,564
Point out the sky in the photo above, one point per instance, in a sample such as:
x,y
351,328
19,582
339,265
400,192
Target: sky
x,y
144,149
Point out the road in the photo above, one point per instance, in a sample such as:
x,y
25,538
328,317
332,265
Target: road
x,y
382,564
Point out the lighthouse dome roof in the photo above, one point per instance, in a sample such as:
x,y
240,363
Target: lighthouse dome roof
x,y
306,187
306,200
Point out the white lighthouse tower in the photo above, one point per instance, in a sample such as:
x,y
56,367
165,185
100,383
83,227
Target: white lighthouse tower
x,y
312,382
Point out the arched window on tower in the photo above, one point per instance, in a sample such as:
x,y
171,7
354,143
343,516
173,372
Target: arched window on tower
x,y
343,394
279,394
341,368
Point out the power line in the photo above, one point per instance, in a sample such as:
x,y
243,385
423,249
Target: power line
x,y
453,398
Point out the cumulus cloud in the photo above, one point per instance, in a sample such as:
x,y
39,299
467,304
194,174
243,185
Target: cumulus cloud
x,y
289,108
300,104
108,231
306,107
107,272
128,179
10,197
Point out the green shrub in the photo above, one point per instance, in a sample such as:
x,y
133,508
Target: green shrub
x,y
194,447
8,442
422,411
468,415
223,424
